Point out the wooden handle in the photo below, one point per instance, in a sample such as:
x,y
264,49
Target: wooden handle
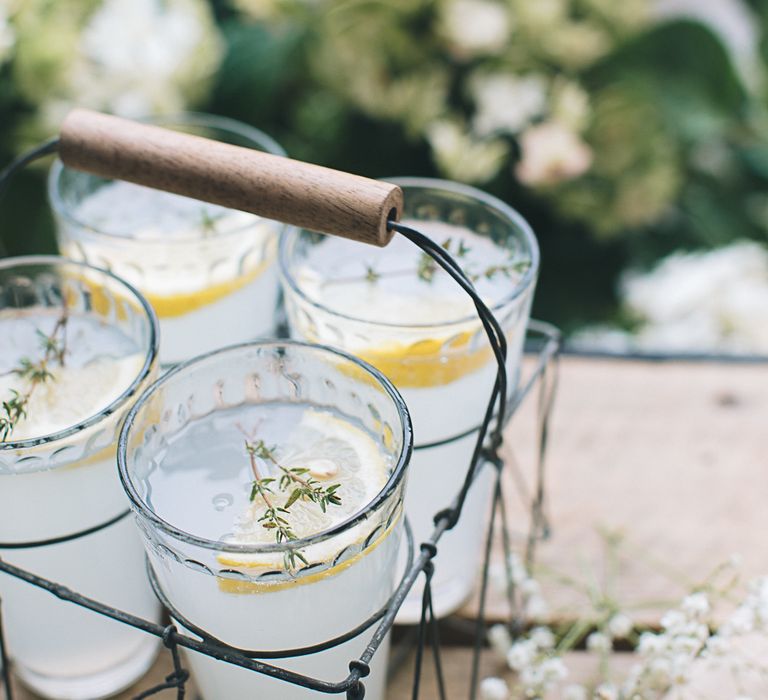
x,y
301,194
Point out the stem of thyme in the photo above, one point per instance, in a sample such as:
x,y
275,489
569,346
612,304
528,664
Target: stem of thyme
x,y
301,487
426,268
54,346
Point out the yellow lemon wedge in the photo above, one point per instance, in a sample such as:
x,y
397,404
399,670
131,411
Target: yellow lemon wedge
x,y
170,305
430,362
335,452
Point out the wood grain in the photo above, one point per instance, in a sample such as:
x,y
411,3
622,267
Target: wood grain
x,y
296,193
670,456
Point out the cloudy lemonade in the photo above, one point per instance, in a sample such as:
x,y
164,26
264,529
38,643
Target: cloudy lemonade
x,y
58,476
208,271
245,587
393,308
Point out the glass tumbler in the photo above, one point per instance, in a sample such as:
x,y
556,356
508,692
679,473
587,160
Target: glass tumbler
x,y
209,272
393,308
185,464
58,473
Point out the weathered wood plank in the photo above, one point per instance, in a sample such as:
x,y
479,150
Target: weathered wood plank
x,y
671,454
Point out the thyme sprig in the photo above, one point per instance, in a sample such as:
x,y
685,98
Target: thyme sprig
x,y
426,267
54,348
299,486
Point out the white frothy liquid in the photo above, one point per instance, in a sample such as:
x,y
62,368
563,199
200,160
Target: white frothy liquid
x,y
208,271
425,336
59,649
202,482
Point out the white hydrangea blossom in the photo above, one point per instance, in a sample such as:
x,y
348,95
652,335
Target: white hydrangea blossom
x,y
714,301
463,157
506,103
476,27
552,153
7,35
130,57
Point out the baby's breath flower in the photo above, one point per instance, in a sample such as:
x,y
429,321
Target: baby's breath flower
x,y
599,642
553,670
521,654
500,640
543,638
696,605
494,689
606,691
620,626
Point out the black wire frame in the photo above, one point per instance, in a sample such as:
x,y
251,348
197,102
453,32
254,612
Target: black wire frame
x,y
544,342
500,408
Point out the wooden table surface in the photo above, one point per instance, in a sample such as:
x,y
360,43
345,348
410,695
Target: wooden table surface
x,y
669,458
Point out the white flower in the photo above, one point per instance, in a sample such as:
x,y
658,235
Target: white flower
x,y
575,692
712,301
620,625
532,679
673,620
606,691
462,157
569,105
551,153
476,26
506,103
717,645
543,638
517,569
494,689
500,640
536,607
138,56
7,37
530,587
660,672
741,621
521,654
650,644
553,670
599,642
696,605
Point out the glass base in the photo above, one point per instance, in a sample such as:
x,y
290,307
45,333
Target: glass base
x,y
98,685
446,598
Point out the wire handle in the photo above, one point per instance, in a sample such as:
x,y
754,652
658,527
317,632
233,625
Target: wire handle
x,y
296,193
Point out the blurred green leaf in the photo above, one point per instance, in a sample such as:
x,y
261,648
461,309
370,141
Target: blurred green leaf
x,y
689,70
259,70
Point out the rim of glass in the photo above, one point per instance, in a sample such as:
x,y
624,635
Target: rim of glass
x,y
139,504
289,236
200,119
149,359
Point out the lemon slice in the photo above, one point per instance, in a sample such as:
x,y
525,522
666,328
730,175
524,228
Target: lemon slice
x,y
429,362
170,305
335,452
72,395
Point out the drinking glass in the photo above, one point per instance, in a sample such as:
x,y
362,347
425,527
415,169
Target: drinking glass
x,y
209,272
185,466
394,309
58,475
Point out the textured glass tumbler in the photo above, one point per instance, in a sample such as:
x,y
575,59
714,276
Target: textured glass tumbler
x,y
211,280
444,370
186,496
58,484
